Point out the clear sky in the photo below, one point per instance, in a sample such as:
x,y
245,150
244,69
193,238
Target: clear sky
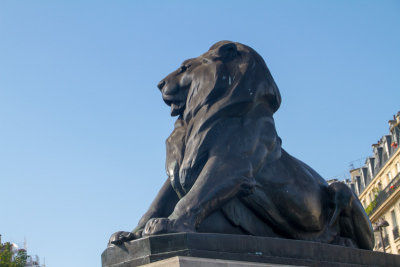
x,y
83,126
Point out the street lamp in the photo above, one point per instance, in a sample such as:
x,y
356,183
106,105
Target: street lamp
x,y
378,228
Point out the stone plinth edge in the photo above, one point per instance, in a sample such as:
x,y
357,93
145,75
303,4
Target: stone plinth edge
x,y
181,261
241,248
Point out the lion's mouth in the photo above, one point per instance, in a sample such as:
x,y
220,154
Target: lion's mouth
x,y
177,109
177,105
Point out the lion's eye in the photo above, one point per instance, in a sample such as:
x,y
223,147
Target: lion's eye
x,y
182,69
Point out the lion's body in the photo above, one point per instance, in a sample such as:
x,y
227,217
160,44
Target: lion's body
x,y
276,173
225,163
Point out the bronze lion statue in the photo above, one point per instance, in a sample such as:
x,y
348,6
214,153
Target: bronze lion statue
x,y
227,172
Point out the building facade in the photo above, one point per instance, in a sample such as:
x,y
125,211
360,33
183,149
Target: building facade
x,y
377,184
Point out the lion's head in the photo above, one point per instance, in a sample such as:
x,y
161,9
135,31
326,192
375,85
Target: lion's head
x,y
228,73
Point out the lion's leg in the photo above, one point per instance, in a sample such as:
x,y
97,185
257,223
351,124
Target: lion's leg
x,y
217,183
217,222
162,206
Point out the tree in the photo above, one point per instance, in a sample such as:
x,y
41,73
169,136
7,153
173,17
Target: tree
x,y
6,256
20,258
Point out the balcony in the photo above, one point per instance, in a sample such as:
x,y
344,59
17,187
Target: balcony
x,y
384,194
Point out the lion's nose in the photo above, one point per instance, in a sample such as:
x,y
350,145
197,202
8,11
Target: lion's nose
x,y
161,84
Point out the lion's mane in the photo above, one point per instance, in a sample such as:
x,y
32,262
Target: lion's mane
x,y
236,79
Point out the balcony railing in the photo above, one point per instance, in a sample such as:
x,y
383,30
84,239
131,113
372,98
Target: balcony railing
x,y
385,193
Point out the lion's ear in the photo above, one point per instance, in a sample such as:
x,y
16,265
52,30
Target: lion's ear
x,y
228,50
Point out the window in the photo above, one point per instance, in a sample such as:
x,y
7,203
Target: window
x,y
398,167
389,175
395,228
385,233
379,186
394,220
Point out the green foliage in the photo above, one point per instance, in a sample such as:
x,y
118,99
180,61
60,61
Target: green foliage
x,y
370,207
5,255
20,258
6,259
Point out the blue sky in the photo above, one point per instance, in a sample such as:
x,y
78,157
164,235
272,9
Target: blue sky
x,y
83,126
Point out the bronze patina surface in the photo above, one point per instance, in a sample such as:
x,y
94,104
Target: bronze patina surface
x,y
227,171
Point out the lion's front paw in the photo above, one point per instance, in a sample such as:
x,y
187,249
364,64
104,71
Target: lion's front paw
x,y
120,237
157,226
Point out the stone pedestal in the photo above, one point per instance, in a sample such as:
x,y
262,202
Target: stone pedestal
x,y
181,261
240,248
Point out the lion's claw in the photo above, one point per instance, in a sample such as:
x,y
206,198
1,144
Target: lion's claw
x,y
120,237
